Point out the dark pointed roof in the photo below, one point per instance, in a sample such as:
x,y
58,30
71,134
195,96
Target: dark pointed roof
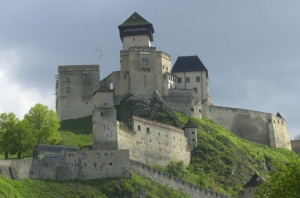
x,y
256,180
190,124
103,88
278,115
136,21
188,63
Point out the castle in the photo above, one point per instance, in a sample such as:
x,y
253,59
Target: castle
x,y
183,87
118,149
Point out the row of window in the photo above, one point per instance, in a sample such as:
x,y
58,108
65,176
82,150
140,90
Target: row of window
x,y
97,155
76,164
188,80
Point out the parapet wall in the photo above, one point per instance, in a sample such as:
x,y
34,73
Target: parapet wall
x,y
260,127
185,101
171,181
77,165
154,143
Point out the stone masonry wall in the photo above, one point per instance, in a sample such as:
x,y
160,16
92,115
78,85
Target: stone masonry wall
x,y
173,182
251,125
184,101
77,165
154,143
295,146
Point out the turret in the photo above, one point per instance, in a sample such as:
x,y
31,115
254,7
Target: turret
x,y
136,31
190,132
104,120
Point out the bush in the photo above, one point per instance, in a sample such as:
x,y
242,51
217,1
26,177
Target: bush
x,y
177,169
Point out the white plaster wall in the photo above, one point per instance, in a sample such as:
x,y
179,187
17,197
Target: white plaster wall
x,y
141,40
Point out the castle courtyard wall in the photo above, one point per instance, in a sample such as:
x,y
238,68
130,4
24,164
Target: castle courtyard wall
x,y
295,146
154,143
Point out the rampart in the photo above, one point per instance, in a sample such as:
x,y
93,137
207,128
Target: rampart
x,y
171,181
153,143
260,127
185,101
76,165
295,146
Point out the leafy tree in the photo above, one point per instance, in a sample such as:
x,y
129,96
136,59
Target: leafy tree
x,y
283,181
44,124
8,123
177,169
21,139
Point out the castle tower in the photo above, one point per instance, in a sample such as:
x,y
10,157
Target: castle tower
x,y
190,132
75,86
104,120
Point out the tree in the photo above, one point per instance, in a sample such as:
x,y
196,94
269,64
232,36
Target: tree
x,y
21,139
8,123
283,181
44,124
177,169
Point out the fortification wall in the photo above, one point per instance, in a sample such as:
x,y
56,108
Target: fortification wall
x,y
252,125
295,146
77,165
173,182
154,143
185,101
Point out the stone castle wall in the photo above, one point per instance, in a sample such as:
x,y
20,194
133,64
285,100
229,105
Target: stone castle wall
x,y
295,146
171,181
154,143
185,101
251,125
77,165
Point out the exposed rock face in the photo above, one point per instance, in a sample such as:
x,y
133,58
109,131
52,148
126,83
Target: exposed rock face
x,y
145,106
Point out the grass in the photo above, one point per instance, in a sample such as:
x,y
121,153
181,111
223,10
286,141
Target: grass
x,y
78,126
70,139
224,162
98,188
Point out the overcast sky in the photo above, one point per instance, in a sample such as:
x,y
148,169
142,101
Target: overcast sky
x,y
250,48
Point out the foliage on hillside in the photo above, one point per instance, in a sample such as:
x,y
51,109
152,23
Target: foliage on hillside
x,y
102,188
71,139
78,126
225,162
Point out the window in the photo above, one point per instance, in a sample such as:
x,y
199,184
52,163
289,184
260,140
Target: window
x,y
68,89
193,132
83,156
110,164
105,103
187,79
192,109
133,39
179,80
145,77
167,69
197,78
67,164
105,154
195,89
68,79
103,164
97,156
124,76
84,165
165,77
148,130
71,165
95,164
139,127
69,154
53,164
145,61
77,164
101,114
111,154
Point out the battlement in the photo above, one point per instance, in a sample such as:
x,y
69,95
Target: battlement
x,y
68,68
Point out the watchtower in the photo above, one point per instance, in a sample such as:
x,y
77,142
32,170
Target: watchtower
x,y
190,132
104,120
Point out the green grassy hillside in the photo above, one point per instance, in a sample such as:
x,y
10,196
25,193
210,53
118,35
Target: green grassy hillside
x,y
136,187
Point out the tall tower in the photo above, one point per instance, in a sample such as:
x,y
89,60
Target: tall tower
x,y
75,86
190,132
104,120
140,62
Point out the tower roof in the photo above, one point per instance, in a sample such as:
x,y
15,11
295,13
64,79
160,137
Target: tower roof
x,y
278,115
137,26
190,124
255,180
188,63
103,88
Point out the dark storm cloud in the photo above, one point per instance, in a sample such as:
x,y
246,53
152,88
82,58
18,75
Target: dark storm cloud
x,y
251,48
